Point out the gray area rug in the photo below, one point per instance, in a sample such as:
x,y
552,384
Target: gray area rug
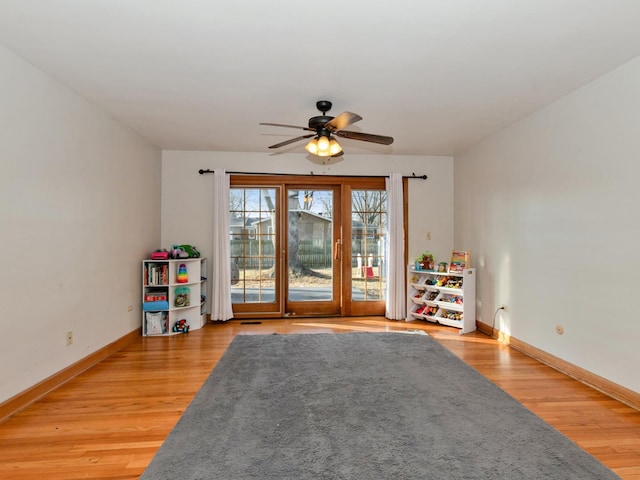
x,y
360,406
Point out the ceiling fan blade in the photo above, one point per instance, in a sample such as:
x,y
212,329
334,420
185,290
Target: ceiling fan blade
x,y
343,120
366,137
292,140
288,126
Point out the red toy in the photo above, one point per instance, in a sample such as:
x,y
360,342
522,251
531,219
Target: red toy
x,y
160,255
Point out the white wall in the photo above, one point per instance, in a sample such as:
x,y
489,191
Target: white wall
x,y
79,209
550,209
187,196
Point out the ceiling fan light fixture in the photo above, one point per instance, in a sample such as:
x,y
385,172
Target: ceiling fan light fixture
x,y
334,147
312,146
323,144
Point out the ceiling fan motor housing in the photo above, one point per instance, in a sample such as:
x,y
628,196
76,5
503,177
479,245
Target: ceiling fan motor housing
x,y
318,123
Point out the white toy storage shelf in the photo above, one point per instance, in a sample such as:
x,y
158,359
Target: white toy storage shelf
x,y
168,296
445,298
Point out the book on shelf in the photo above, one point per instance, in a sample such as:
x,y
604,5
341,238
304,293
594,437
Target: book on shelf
x,y
156,274
459,261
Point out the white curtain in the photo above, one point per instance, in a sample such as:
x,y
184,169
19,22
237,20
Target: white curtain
x,y
221,271
396,307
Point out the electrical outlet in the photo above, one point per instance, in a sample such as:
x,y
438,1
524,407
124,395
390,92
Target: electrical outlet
x,y
130,308
69,338
428,235
504,307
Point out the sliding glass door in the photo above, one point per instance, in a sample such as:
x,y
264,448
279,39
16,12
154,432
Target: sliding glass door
x,y
302,248
313,250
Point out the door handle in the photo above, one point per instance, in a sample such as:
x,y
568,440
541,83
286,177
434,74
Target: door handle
x,y
338,252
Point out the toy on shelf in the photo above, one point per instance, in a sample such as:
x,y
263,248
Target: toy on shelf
x,y
181,326
160,254
453,282
459,261
425,261
183,297
452,299
430,311
183,276
184,251
452,315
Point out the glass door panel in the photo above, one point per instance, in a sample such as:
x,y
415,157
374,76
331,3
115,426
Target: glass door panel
x,y
312,259
368,246
254,245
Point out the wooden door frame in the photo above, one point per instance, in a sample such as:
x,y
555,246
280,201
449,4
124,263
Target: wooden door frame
x,y
346,185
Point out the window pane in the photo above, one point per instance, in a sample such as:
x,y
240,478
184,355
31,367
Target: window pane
x,y
252,242
310,245
368,236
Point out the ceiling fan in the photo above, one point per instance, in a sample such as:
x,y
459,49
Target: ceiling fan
x,y
325,128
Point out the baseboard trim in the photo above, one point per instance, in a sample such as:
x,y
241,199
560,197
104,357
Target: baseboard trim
x,y
39,390
613,390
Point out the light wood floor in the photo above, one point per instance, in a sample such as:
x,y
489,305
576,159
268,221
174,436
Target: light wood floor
x,y
108,422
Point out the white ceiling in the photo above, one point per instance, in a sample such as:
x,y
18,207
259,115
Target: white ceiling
x,y
437,75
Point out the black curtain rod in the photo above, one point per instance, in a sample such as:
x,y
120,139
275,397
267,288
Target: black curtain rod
x,y
413,175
